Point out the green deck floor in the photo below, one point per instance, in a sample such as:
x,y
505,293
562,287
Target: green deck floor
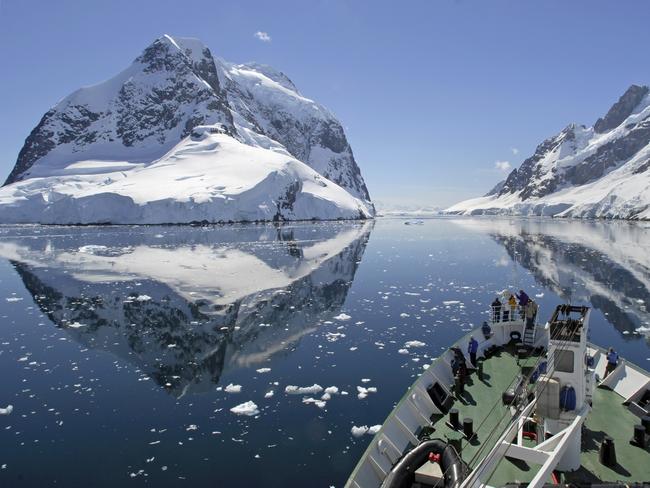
x,y
608,417
499,372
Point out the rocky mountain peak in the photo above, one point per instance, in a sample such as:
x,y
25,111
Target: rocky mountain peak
x,y
622,109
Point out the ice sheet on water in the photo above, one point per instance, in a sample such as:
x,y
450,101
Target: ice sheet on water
x,y
409,344
342,316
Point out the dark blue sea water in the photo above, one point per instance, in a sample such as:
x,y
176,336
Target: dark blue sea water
x,y
124,349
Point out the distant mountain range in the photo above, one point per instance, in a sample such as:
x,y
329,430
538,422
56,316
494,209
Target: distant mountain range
x,y
591,172
181,136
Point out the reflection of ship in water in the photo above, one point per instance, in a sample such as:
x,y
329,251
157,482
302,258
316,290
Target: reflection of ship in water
x,y
606,264
186,311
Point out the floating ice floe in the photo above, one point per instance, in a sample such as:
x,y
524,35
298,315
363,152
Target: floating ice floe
x,y
451,302
414,344
363,392
263,370
342,316
303,390
364,429
7,410
269,394
143,298
403,351
13,299
318,403
248,408
334,336
76,325
232,388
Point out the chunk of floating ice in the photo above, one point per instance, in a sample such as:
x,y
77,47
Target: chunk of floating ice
x,y
269,394
363,392
232,388
192,427
414,344
247,408
332,390
342,316
76,325
403,351
303,390
539,295
143,298
263,370
364,429
404,315
334,336
451,302
318,403
7,410
13,299
365,380
359,431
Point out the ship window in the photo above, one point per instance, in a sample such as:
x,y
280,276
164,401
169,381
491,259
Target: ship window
x,y
564,361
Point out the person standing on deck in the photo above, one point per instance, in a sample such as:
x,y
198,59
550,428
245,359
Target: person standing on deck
x,y
612,361
496,310
530,311
524,299
472,349
512,301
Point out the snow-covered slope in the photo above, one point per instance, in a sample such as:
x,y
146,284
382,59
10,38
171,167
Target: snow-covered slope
x,y
601,171
181,136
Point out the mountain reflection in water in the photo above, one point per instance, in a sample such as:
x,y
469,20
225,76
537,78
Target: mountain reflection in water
x,y
606,264
201,301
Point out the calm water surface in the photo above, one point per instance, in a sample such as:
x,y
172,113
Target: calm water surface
x,y
124,349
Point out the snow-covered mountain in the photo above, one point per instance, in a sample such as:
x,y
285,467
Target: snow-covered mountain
x,y
594,172
183,136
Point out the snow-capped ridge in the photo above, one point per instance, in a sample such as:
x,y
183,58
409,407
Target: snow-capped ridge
x,y
600,171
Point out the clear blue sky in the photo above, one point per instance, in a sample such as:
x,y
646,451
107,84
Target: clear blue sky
x,y
431,93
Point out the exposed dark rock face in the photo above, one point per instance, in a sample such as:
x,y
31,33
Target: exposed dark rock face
x,y
39,142
622,109
610,155
520,179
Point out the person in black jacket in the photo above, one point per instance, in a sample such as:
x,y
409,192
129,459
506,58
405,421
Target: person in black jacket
x,y
496,310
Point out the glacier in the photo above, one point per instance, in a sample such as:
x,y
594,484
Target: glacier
x,y
182,136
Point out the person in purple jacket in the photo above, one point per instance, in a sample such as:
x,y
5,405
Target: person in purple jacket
x,y
523,301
